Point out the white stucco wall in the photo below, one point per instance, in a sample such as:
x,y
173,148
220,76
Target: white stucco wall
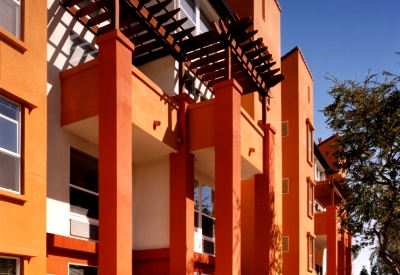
x,y
151,205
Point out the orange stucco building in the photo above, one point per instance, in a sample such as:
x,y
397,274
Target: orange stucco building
x,y
158,138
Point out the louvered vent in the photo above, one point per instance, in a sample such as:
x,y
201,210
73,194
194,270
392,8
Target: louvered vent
x,y
285,186
285,128
285,244
84,230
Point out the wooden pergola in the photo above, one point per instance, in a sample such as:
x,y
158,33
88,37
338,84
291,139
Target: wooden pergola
x,y
227,51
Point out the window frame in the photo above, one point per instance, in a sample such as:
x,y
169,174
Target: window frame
x,y
199,216
19,143
76,216
75,264
310,199
201,6
310,240
18,268
310,142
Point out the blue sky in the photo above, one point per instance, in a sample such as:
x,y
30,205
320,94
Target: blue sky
x,y
344,38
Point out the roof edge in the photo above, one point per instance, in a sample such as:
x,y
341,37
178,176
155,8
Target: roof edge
x,y
297,48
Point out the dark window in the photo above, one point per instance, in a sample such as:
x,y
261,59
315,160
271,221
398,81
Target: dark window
x,y
82,270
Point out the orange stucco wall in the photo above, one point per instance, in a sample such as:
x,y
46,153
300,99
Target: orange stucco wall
x,y
23,79
296,108
80,101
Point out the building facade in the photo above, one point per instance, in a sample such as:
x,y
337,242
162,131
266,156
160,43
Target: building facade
x,y
152,142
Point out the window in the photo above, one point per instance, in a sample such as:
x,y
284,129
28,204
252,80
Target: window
x,y
285,186
10,143
84,196
9,265
10,16
311,251
319,173
198,13
285,128
204,220
310,142
310,196
82,270
285,244
81,51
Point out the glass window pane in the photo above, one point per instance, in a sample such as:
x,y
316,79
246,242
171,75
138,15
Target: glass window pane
x,y
84,203
84,171
8,109
9,135
9,172
81,51
82,270
205,25
196,195
207,200
208,226
8,266
190,8
10,17
208,247
196,219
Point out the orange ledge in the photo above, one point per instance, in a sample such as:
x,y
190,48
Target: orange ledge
x,y
204,258
12,41
72,244
13,196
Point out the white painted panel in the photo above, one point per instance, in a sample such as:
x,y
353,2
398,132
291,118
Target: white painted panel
x,y
151,205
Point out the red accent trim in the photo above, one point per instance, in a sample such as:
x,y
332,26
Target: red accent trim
x,y
68,243
204,259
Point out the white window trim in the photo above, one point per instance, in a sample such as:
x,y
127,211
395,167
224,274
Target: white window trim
x,y
18,143
18,269
199,213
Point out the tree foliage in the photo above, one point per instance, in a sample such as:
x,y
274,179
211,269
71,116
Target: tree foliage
x,y
364,271
366,117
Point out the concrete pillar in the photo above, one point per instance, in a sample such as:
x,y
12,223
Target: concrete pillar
x,y
332,240
227,177
265,234
115,154
181,197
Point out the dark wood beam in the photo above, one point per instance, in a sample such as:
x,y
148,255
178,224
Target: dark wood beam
x,y
248,46
260,60
214,75
207,60
265,67
142,38
102,17
256,52
269,73
228,58
137,61
152,46
93,7
158,7
175,25
272,81
71,3
133,30
205,51
210,68
183,33
167,16
200,41
242,38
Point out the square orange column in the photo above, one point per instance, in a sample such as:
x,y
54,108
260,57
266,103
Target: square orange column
x,y
115,154
332,240
227,177
182,197
342,255
265,231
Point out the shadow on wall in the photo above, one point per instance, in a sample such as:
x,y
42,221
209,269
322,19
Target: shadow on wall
x,y
276,243
60,24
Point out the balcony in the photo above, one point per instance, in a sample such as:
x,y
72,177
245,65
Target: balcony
x,y
154,121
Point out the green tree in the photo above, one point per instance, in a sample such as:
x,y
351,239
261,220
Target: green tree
x,y
364,271
366,117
